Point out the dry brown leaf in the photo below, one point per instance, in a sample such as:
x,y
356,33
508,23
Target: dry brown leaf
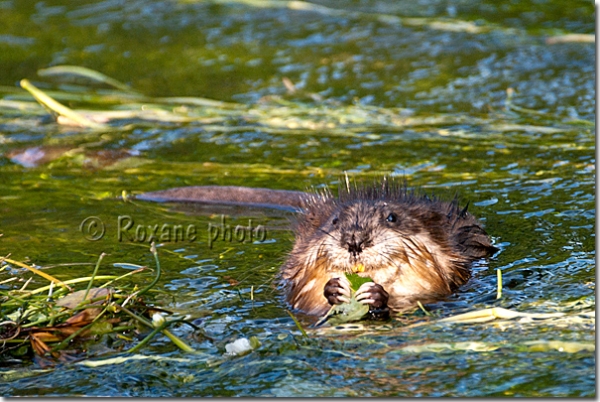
x,y
39,346
44,336
84,317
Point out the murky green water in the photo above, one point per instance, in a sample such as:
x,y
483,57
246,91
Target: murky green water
x,y
428,81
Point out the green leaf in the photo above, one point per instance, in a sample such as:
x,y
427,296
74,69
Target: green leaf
x,y
356,281
347,312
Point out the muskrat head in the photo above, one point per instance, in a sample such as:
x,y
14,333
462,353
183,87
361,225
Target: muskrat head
x,y
365,236
414,247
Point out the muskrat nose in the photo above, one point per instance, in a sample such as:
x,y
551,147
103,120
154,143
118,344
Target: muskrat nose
x,y
354,248
355,244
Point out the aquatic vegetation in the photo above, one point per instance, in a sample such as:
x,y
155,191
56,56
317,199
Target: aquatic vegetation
x,y
493,101
58,322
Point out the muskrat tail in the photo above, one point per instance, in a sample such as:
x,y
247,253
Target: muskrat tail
x,y
232,195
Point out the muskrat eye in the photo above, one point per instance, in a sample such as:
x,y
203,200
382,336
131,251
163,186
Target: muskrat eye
x,y
334,221
391,217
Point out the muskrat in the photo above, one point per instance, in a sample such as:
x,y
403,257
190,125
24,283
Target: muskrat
x,y
414,247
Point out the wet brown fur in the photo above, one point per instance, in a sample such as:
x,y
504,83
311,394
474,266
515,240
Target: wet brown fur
x,y
423,256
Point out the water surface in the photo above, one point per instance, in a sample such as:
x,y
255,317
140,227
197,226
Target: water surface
x,y
412,89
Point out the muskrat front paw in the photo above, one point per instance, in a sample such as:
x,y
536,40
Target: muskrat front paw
x,y
337,291
372,294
